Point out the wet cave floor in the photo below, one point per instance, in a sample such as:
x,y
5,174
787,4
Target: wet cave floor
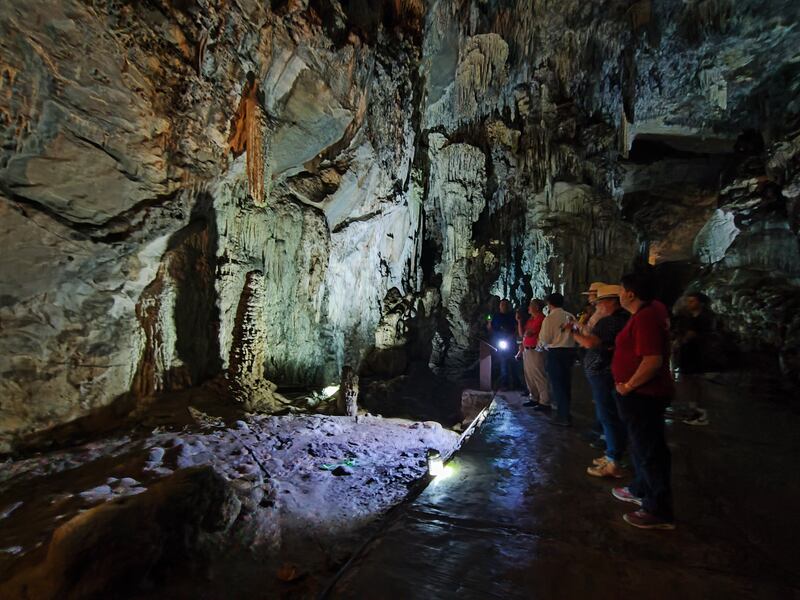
x,y
519,517
298,511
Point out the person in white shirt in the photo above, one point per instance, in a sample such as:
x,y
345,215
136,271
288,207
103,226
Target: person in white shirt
x,y
556,338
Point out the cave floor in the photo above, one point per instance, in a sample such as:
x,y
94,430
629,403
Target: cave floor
x,y
310,488
519,517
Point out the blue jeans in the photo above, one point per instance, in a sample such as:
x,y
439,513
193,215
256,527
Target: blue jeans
x,y
559,374
652,461
605,405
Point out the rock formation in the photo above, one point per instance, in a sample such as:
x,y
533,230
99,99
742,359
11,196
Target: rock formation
x,y
609,137
266,192
197,189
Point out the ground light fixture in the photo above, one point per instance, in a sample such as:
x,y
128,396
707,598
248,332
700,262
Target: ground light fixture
x,y
329,391
503,345
435,463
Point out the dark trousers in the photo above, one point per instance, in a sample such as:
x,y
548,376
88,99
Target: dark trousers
x,y
605,405
559,374
509,370
652,461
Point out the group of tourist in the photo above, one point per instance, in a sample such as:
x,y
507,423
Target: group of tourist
x,y
625,335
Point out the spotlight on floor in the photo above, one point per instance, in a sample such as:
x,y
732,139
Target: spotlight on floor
x,y
435,463
446,472
503,345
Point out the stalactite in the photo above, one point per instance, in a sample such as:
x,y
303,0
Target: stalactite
x,y
200,51
255,154
481,67
247,135
408,13
640,14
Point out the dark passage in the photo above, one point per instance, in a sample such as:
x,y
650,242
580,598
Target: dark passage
x,y
518,517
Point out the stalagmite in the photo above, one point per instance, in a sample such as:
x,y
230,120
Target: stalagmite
x,y
347,396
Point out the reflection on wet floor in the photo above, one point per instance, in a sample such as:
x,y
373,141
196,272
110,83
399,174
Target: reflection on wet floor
x,y
519,518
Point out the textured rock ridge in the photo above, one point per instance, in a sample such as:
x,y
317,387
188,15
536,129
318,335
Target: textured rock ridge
x,y
751,257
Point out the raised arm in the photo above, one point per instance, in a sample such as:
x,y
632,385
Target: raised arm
x,y
586,340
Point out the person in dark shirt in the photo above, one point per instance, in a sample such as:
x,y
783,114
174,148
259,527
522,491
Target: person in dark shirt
x,y
693,330
503,330
599,344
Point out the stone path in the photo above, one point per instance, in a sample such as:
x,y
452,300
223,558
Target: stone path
x,y
518,518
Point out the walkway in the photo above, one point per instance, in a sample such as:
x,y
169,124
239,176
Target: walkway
x,y
519,518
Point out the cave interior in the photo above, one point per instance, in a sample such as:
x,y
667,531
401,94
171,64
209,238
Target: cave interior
x,y
249,250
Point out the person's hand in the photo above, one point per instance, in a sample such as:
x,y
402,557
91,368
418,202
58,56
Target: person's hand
x,y
623,389
571,326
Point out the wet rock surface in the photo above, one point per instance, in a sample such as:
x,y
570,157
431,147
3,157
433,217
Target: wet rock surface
x,y
518,517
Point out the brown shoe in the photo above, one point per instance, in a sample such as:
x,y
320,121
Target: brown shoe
x,y
644,520
599,462
607,469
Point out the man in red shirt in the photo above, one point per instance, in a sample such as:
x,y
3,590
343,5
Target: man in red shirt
x,y
533,358
640,367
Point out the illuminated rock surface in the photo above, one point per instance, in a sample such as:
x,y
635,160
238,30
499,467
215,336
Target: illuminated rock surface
x,y
132,513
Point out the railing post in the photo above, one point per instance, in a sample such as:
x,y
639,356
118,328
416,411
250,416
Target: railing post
x,y
485,367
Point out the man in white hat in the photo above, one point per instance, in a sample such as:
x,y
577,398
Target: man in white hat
x,y
592,291
599,342
588,321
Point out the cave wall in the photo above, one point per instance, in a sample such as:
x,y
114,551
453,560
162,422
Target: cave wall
x,y
190,187
749,252
608,132
504,88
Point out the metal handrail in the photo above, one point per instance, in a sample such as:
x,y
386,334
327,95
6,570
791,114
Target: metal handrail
x,y
483,341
